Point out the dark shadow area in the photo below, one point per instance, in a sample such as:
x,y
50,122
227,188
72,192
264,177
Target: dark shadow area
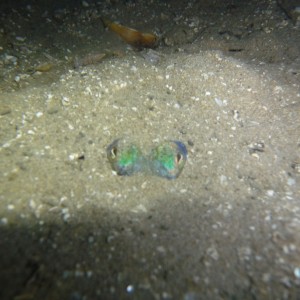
x,y
168,253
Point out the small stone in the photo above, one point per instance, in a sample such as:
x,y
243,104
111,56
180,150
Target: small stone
x,y
256,147
65,214
4,221
296,166
213,253
10,207
297,272
161,249
39,114
291,181
133,69
130,288
89,274
219,102
20,38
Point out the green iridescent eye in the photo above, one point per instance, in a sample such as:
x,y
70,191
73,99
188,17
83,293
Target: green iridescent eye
x,y
124,157
168,159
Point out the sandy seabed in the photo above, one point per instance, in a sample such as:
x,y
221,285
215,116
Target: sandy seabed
x,y
224,80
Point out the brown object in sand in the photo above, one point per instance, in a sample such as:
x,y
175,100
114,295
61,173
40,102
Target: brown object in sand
x,y
131,36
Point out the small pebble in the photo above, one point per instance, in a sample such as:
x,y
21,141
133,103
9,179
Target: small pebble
x,y
89,274
161,249
130,288
133,68
4,221
65,213
39,114
10,207
291,181
20,38
213,253
223,180
296,167
297,272
220,102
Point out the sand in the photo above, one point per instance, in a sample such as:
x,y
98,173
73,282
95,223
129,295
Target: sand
x,y
224,80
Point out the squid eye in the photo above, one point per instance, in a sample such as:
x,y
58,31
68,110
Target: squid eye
x,y
178,158
114,152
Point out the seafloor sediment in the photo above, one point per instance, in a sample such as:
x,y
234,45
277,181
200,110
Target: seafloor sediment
x,y
223,80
